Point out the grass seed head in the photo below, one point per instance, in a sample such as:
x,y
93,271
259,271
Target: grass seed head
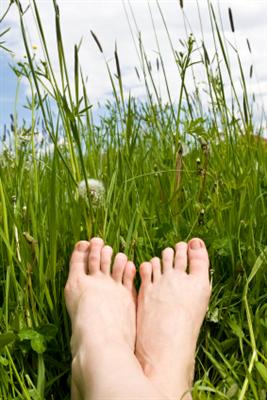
x,y
231,19
117,63
249,48
97,41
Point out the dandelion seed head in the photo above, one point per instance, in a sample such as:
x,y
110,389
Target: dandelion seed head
x,y
96,189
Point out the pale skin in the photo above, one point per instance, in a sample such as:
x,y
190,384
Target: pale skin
x,y
129,347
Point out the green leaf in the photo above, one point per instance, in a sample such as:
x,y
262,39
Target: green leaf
x,y
261,261
6,338
232,391
49,331
38,341
237,330
39,344
3,361
262,370
27,334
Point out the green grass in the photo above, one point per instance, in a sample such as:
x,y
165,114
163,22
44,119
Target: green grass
x,y
155,196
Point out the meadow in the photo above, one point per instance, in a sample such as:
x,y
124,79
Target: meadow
x,y
170,171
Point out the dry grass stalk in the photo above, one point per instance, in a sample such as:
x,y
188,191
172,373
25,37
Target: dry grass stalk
x,y
178,167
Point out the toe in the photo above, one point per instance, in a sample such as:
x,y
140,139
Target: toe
x,y
106,254
198,258
128,275
180,259
118,267
167,259
94,257
78,261
156,269
146,273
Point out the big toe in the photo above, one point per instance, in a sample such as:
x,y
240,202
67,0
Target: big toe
x,y
80,252
198,258
78,261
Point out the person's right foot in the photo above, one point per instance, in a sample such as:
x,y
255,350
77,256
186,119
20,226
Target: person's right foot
x,y
172,304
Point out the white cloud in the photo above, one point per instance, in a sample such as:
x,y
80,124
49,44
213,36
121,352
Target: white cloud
x,y
107,19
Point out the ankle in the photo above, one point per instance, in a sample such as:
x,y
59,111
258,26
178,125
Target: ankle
x,y
175,385
79,379
95,342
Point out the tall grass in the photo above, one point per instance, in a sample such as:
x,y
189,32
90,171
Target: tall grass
x,y
157,193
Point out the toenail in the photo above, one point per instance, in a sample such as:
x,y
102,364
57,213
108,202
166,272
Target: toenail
x,y
96,239
195,244
82,246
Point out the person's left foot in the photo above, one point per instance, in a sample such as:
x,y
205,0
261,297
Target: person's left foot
x,y
172,303
101,302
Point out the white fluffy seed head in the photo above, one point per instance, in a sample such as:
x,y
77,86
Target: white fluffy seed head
x,y
96,189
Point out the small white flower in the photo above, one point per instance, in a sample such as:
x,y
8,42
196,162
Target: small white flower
x,y
96,189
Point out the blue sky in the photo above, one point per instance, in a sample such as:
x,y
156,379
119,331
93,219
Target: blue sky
x,y
107,18
8,88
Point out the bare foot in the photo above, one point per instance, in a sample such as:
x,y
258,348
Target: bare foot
x,y
171,308
102,307
101,303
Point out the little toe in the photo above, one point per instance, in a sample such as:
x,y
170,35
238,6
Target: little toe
x,y
156,269
94,257
128,275
180,259
105,264
118,267
167,259
146,273
78,261
198,258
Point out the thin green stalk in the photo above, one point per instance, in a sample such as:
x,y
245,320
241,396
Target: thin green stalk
x,y
38,90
